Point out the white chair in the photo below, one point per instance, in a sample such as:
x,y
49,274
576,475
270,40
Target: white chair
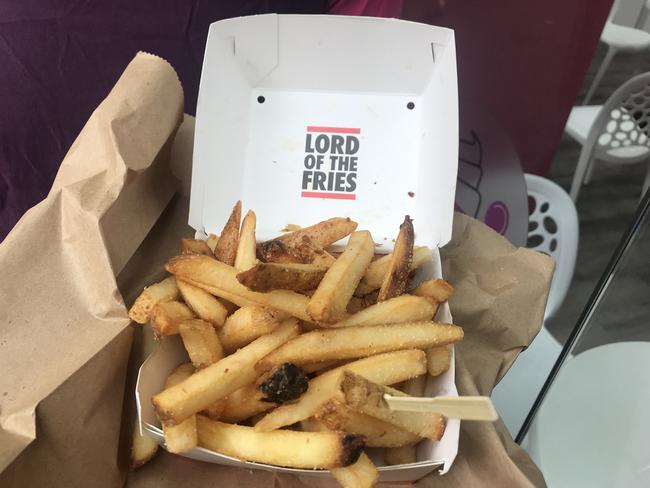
x,y
619,38
616,132
553,229
592,429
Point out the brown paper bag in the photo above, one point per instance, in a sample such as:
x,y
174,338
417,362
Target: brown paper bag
x,y
72,366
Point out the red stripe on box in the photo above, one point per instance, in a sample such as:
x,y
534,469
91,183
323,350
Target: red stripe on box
x,y
338,130
320,194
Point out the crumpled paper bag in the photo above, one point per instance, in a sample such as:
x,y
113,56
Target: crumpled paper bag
x,y
64,333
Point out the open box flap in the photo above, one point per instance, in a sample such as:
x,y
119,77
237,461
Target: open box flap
x,y
306,117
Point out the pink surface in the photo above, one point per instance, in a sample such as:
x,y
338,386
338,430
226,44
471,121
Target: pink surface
x,y
371,8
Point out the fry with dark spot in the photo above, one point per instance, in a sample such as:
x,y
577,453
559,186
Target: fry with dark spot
x,y
274,276
395,282
226,248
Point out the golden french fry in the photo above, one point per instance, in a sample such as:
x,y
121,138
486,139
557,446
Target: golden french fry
x,y
272,276
215,410
339,417
226,248
195,246
204,305
150,296
362,474
244,403
221,280
181,437
389,368
330,301
246,249
438,360
378,270
143,447
167,316
323,233
396,278
322,366
201,342
405,308
302,251
415,386
183,372
311,450
247,324
220,379
211,241
355,342
368,398
437,289
401,455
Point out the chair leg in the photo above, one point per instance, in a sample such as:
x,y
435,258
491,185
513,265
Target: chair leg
x,y
646,182
579,175
590,170
599,74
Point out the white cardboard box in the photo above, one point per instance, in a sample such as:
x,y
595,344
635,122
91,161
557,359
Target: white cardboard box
x,y
308,117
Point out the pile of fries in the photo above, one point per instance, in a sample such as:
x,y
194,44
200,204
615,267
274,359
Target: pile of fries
x,y
292,348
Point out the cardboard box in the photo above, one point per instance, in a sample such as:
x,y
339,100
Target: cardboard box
x,y
308,117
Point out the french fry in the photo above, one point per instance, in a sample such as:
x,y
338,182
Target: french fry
x,y
181,437
244,403
211,241
405,308
143,447
221,280
401,455
220,379
302,251
438,289
368,398
246,249
167,316
396,278
150,296
330,301
201,342
378,270
339,417
231,308
355,342
195,246
415,386
389,368
438,360
356,304
311,450
247,324
323,234
204,305
215,410
291,228
272,276
362,474
226,247
322,366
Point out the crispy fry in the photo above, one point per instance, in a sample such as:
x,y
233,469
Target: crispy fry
x,y
304,251
226,248
181,437
322,366
247,324
221,280
312,450
396,279
323,234
211,241
244,403
143,447
367,397
405,308
330,301
437,290
378,269
150,296
201,342
339,417
272,276
195,246
167,316
204,305
387,369
362,474
246,257
218,380
354,342
401,455
438,360
215,410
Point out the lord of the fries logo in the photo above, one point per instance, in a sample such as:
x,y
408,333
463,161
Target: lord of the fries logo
x,y
330,164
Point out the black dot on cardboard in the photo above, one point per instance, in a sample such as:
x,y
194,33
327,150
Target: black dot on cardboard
x,y
261,99
410,105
